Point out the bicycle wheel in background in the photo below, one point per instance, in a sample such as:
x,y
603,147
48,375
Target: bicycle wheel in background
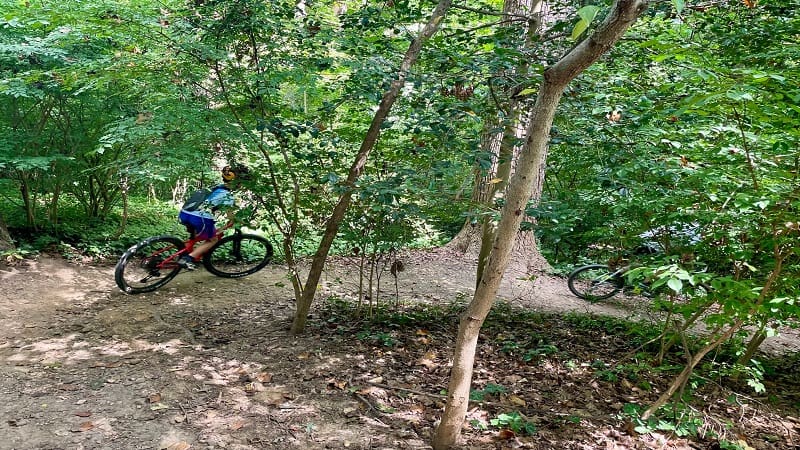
x,y
594,282
142,269
238,255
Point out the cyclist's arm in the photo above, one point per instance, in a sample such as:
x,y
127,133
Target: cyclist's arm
x,y
231,215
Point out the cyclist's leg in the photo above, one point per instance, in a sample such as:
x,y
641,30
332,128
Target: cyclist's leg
x,y
200,228
206,230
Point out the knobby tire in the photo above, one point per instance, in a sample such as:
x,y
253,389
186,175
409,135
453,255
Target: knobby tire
x,y
140,268
238,255
594,282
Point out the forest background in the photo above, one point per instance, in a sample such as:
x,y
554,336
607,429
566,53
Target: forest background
x,y
113,111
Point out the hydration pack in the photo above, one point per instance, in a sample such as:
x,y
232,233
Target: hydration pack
x,y
196,200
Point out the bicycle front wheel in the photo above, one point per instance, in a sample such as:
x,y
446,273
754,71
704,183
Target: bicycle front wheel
x,y
148,265
594,282
238,255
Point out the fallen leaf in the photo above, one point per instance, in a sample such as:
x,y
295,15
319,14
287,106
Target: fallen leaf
x,y
505,433
182,445
426,363
272,397
154,398
337,384
516,400
85,426
427,360
264,377
83,413
237,425
253,387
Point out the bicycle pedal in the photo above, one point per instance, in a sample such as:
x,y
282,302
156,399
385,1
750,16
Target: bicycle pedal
x,y
186,264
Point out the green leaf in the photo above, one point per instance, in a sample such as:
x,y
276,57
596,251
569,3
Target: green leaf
x,y
580,27
675,284
588,13
679,4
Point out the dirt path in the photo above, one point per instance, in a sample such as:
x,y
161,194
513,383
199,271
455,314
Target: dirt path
x,y
206,362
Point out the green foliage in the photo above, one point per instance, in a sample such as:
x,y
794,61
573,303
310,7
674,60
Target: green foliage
x,y
674,419
706,136
75,236
479,395
514,422
377,338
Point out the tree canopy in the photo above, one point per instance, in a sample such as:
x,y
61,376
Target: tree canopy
x,y
360,112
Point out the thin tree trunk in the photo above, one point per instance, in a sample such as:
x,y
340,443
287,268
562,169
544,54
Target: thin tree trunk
x,y
335,220
683,377
124,220
622,15
755,342
6,243
27,201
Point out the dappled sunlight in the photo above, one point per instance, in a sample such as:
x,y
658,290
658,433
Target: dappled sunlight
x,y
68,350
217,367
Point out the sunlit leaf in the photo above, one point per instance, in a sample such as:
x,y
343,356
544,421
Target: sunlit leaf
x,y
580,27
588,13
675,284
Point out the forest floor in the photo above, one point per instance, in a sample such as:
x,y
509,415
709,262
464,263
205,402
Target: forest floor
x,y
208,363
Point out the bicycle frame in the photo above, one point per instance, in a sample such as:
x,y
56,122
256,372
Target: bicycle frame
x,y
188,245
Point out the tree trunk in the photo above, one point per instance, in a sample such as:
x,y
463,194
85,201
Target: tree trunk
x,y
6,243
335,220
532,157
488,187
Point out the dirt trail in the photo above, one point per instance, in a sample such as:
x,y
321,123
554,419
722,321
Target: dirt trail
x,y
84,366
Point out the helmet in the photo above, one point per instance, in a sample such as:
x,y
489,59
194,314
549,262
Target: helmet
x,y
230,173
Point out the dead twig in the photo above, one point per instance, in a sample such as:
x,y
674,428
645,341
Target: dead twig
x,y
428,394
412,391
369,405
185,415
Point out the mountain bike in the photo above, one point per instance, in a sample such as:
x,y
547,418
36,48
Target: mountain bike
x,y
153,262
596,282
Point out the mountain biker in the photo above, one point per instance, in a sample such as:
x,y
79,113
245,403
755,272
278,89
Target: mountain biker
x,y
200,221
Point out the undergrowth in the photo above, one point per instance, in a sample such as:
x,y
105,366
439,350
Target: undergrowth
x,y
612,351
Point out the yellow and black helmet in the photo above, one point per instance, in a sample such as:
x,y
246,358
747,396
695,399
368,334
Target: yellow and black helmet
x,y
230,173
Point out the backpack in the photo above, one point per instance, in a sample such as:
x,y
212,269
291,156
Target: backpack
x,y
196,200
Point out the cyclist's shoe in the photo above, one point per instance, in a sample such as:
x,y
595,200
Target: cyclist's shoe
x,y
186,262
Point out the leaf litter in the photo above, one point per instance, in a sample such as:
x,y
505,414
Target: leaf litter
x,y
219,369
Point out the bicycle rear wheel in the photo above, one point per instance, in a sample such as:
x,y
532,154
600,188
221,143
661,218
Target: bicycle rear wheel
x,y
238,255
594,282
148,265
